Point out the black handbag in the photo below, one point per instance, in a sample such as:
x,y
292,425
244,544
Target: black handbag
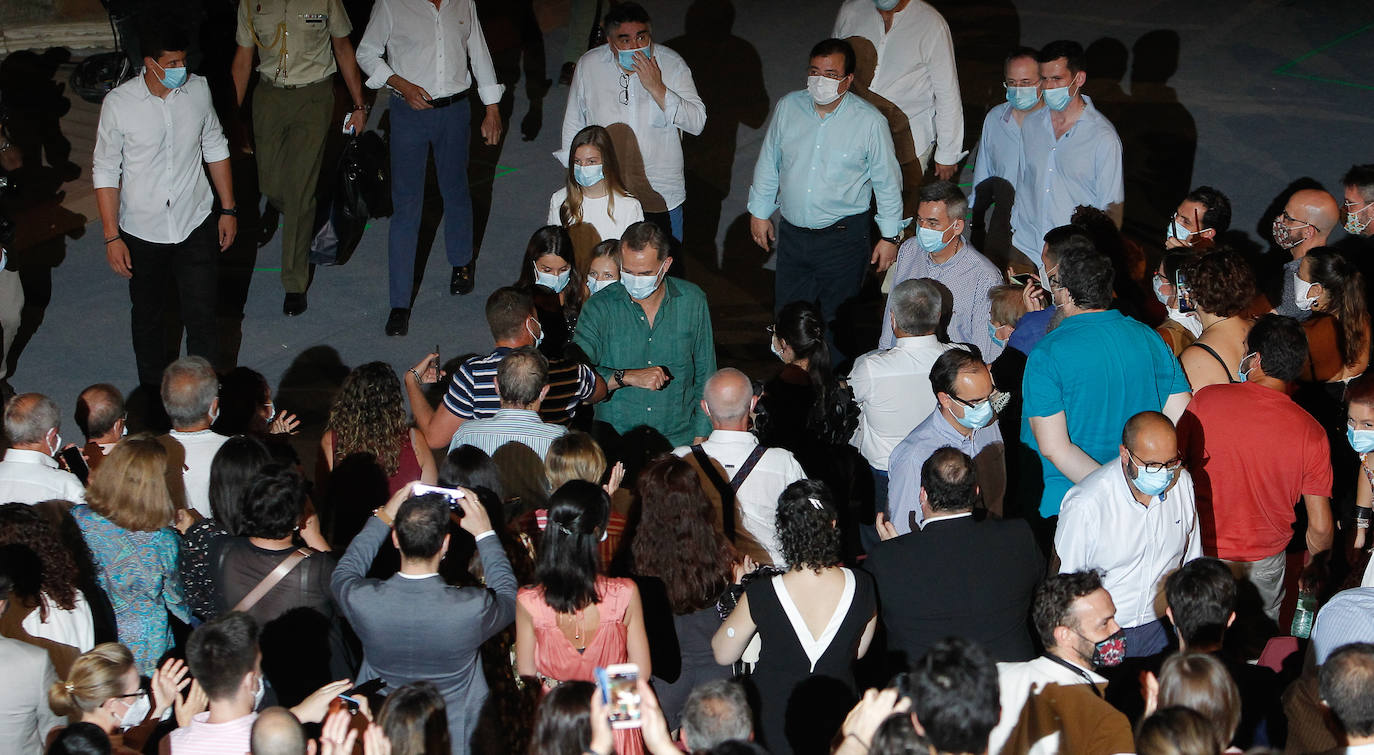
x,y
362,190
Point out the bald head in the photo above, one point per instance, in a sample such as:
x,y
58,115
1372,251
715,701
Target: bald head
x,y
728,398
1150,438
1316,207
99,410
277,732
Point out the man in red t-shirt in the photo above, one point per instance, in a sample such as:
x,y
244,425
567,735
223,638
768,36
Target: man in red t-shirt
x,y
1252,452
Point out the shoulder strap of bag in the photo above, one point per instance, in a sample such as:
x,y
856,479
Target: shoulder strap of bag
x,y
272,578
747,467
726,490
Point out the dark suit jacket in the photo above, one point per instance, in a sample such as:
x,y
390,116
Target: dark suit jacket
x,y
424,630
958,577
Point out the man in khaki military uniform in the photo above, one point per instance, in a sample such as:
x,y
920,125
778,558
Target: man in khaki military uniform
x,y
299,44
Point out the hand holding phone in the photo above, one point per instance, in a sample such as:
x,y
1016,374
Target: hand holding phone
x,y
620,693
454,495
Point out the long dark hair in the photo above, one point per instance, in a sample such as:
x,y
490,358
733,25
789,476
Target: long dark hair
x,y
236,465
801,327
553,239
1344,287
563,724
569,556
242,394
677,540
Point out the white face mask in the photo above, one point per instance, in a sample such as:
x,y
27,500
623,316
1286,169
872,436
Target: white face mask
x,y
271,411
259,693
824,90
136,713
1301,288
1188,320
595,284
56,444
773,347
641,287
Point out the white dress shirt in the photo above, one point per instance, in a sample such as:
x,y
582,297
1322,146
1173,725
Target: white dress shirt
x,y
1082,167
594,99
999,148
892,388
1102,526
151,149
429,47
597,212
201,447
758,495
75,627
33,477
915,72
1017,681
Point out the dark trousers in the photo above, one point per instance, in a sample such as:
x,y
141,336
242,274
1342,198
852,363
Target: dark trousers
x,y
186,271
824,265
670,222
992,220
413,133
290,127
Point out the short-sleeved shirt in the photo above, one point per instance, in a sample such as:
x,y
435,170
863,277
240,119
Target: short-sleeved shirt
x,y
472,389
294,38
1252,453
1099,369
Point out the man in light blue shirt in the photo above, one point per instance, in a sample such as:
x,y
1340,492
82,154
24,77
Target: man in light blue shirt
x,y
999,155
825,157
522,381
1071,154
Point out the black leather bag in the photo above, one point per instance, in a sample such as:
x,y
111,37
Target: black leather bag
x,y
362,190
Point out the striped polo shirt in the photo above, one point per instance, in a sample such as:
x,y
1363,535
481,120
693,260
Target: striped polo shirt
x,y
472,389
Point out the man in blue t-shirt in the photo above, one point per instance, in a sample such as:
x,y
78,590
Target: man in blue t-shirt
x,y
1090,374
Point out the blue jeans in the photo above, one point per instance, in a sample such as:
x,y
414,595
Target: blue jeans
x,y
413,132
1146,640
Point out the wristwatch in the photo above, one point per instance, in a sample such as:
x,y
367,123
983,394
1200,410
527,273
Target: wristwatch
x,y
894,240
619,377
230,211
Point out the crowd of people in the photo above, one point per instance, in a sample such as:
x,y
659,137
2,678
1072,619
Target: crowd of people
x,y
1049,513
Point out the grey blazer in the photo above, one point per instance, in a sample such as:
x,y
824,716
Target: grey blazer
x,y
423,629
25,718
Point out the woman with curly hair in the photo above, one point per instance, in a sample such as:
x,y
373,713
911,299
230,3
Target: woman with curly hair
x,y
127,522
369,416
572,619
679,553
59,612
1221,286
814,621
1338,332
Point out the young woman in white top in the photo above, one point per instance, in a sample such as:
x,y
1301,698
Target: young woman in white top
x,y
594,193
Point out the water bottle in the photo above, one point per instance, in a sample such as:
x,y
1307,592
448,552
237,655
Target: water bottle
x,y
1304,615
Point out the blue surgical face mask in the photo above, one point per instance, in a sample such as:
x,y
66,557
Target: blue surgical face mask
x,y
887,5
640,287
1152,483
1360,440
976,416
588,175
626,58
1243,374
1022,98
992,334
172,78
595,284
1057,98
932,240
556,283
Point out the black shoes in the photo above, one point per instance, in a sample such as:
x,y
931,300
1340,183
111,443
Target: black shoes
x,y
293,304
462,281
398,322
267,226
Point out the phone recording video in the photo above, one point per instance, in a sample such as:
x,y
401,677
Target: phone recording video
x,y
620,692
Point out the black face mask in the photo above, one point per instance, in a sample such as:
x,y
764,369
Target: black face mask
x,y
1109,652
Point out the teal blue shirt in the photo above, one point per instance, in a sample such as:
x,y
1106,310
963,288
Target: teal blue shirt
x,y
1100,369
614,333
819,170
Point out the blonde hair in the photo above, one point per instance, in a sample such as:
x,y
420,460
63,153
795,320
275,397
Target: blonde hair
x,y
130,487
96,676
570,213
574,456
1007,306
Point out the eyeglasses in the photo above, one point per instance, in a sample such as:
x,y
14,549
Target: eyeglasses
x,y
1289,219
1350,206
973,404
1157,466
625,89
1021,82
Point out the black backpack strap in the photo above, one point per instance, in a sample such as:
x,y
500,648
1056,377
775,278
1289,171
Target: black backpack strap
x,y
747,467
726,490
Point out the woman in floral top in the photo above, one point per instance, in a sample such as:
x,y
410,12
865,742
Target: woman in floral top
x,y
127,524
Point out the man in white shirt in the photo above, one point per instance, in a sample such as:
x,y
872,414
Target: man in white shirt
x,y
1054,703
190,392
644,95
1133,519
428,45
915,72
999,154
892,386
1071,154
25,717
729,401
155,131
29,473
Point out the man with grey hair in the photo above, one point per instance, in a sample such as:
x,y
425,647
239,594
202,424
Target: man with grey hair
x,y
277,732
522,382
754,476
892,386
716,712
29,473
190,392
101,416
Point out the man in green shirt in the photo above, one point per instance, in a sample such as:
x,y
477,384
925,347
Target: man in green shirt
x,y
650,338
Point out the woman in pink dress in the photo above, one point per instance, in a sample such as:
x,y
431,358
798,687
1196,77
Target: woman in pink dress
x,y
572,620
